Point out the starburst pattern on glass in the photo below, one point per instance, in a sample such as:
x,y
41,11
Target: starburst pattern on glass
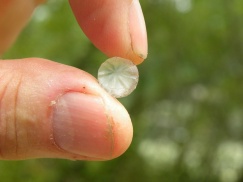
x,y
118,76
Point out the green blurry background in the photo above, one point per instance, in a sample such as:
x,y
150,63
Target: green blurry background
x,y
187,110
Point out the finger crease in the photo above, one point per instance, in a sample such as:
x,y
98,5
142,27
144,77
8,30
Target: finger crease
x,y
16,113
3,121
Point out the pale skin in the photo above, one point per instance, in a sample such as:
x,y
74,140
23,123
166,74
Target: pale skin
x,y
51,110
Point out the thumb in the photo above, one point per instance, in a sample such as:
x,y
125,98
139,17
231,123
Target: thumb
x,y
49,110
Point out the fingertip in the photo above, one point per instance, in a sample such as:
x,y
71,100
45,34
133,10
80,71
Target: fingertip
x,y
123,135
121,126
97,127
117,28
138,33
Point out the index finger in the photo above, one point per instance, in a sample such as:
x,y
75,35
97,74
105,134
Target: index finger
x,y
115,27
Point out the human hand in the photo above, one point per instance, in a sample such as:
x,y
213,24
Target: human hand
x,y
50,110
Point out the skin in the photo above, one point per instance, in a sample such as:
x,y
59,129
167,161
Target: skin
x,y
50,110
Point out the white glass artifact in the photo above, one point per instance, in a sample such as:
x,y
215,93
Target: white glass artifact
x,y
118,76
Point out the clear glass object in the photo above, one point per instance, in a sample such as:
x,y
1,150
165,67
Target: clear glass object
x,y
118,76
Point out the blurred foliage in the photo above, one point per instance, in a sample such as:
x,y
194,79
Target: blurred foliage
x,y
187,110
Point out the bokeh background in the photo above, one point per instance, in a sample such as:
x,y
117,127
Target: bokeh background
x,y
187,110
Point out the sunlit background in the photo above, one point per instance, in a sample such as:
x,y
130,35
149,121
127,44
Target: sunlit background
x,y
187,110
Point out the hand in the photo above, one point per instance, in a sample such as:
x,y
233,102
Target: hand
x,y
50,110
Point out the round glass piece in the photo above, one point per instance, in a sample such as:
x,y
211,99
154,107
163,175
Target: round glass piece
x,y
118,76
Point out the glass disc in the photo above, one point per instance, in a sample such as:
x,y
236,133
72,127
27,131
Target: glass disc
x,y
118,76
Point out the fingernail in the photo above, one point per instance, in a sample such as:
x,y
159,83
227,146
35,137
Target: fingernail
x,y
80,125
138,31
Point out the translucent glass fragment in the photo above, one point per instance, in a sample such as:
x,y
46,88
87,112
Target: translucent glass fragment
x,y
118,76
